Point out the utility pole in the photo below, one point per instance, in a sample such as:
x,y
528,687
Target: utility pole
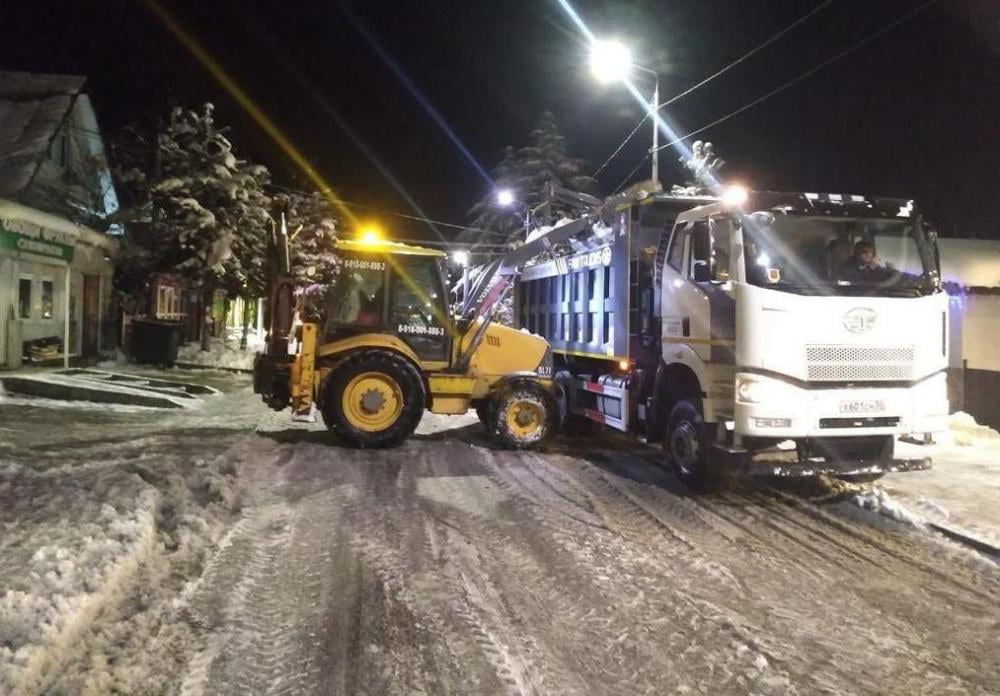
x,y
655,149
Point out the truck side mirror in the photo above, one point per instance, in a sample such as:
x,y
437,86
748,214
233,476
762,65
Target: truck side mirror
x,y
700,272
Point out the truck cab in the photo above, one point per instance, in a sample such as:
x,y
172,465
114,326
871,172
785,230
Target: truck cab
x,y
812,319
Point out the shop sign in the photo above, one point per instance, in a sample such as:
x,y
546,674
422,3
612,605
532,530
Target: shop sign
x,y
19,235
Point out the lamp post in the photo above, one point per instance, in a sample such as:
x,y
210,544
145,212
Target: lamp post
x,y
506,199
611,61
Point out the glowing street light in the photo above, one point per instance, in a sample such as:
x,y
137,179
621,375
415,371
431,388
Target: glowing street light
x,y
611,61
505,197
461,258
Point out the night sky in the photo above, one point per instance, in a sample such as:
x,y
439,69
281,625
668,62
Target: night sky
x,y
915,113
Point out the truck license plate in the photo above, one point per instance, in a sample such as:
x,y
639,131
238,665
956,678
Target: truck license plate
x,y
862,406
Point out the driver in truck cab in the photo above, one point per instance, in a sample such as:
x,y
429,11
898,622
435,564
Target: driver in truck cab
x,y
863,266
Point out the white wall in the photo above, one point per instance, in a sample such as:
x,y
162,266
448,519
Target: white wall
x,y
970,262
980,320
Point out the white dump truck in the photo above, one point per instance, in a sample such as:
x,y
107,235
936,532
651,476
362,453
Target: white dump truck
x,y
752,333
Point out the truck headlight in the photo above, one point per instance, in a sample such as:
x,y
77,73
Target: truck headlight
x,y
750,390
754,389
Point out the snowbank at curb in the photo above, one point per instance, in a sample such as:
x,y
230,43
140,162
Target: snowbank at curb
x,y
65,585
961,490
964,431
221,355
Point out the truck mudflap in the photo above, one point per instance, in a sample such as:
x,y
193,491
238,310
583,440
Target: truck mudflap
x,y
741,462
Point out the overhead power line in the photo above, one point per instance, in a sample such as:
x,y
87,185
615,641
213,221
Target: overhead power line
x,y
711,77
382,211
812,71
629,175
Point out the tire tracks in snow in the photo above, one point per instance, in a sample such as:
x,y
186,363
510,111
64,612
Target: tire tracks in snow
x,y
445,567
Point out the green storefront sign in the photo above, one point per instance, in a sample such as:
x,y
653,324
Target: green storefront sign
x,y
32,239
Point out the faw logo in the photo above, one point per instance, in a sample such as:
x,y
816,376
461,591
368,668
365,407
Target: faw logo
x,y
860,320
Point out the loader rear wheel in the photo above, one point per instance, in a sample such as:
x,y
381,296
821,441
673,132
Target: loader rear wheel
x,y
685,443
373,399
523,416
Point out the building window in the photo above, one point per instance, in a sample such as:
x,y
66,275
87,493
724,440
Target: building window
x,y
168,303
24,298
48,291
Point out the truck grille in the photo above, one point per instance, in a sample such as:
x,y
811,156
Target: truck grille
x,y
859,363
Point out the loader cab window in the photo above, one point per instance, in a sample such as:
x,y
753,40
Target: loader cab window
x,y
358,296
418,313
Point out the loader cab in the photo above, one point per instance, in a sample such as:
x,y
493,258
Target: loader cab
x,y
391,288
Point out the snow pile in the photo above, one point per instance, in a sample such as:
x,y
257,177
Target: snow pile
x,y
224,355
961,490
543,230
65,583
966,432
877,500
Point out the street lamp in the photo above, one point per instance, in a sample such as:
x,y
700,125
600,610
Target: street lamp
x,y
611,61
507,199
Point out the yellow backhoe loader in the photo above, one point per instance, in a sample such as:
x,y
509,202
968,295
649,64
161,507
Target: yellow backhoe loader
x,y
384,344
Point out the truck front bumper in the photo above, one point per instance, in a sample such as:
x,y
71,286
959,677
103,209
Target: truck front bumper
x,y
789,464
790,411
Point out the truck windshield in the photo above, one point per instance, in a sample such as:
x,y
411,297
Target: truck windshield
x,y
837,255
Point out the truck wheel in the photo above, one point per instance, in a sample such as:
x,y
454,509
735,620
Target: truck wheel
x,y
686,447
374,399
523,416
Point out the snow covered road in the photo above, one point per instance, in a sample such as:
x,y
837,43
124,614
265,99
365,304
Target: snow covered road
x,y
285,565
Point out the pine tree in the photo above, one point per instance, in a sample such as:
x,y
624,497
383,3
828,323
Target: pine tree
x,y
526,171
312,231
193,208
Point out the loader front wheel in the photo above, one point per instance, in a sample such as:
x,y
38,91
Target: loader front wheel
x,y
374,399
523,416
484,409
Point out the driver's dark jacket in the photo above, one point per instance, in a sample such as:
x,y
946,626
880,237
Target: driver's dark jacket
x,y
854,273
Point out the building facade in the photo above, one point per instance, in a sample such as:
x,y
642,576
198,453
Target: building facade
x,y
56,198
971,271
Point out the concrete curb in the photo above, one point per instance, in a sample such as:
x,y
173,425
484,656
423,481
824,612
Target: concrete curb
x,y
197,366
67,391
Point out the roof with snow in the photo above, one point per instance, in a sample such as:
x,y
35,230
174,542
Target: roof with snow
x,y
32,108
